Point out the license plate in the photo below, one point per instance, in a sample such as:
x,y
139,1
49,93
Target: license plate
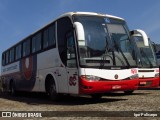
x,y
143,83
114,87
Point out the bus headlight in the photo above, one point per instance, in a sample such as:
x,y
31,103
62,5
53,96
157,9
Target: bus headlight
x,y
157,75
134,76
91,77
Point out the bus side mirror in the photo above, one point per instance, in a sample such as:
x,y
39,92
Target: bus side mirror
x,y
80,33
154,47
143,34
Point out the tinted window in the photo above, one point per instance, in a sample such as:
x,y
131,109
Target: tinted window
x,y
7,57
64,25
3,59
18,51
26,48
11,58
49,36
71,52
36,43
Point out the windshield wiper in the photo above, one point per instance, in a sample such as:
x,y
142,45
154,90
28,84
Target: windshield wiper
x,y
104,56
119,49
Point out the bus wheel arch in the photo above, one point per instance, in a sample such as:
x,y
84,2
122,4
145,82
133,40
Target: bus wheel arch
x,y
51,87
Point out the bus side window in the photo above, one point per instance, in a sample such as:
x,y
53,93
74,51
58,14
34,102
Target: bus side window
x,y
36,42
49,37
71,54
7,57
11,57
3,59
18,51
63,26
26,48
70,46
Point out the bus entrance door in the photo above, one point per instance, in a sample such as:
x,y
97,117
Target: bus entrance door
x,y
73,80
72,69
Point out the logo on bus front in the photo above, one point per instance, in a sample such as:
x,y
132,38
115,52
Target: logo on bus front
x,y
134,71
116,76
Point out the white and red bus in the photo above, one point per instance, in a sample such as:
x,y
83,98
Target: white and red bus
x,y
157,51
148,69
78,53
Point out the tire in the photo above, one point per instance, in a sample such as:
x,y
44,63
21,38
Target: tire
x,y
52,90
96,96
129,92
12,90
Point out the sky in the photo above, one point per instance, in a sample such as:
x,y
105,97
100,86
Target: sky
x,y
20,18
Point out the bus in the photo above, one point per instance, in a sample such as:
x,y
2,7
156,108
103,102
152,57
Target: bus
x,y
148,69
157,51
79,53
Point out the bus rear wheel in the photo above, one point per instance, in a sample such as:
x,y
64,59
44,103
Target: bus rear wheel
x,y
12,91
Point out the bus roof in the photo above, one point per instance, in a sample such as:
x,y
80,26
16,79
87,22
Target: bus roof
x,y
90,13
63,15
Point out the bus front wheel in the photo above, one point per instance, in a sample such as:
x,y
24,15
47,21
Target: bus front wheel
x,y
52,90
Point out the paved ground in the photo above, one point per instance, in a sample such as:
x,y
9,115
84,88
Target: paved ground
x,y
141,100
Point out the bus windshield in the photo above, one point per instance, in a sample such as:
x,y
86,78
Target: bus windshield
x,y
145,54
106,42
